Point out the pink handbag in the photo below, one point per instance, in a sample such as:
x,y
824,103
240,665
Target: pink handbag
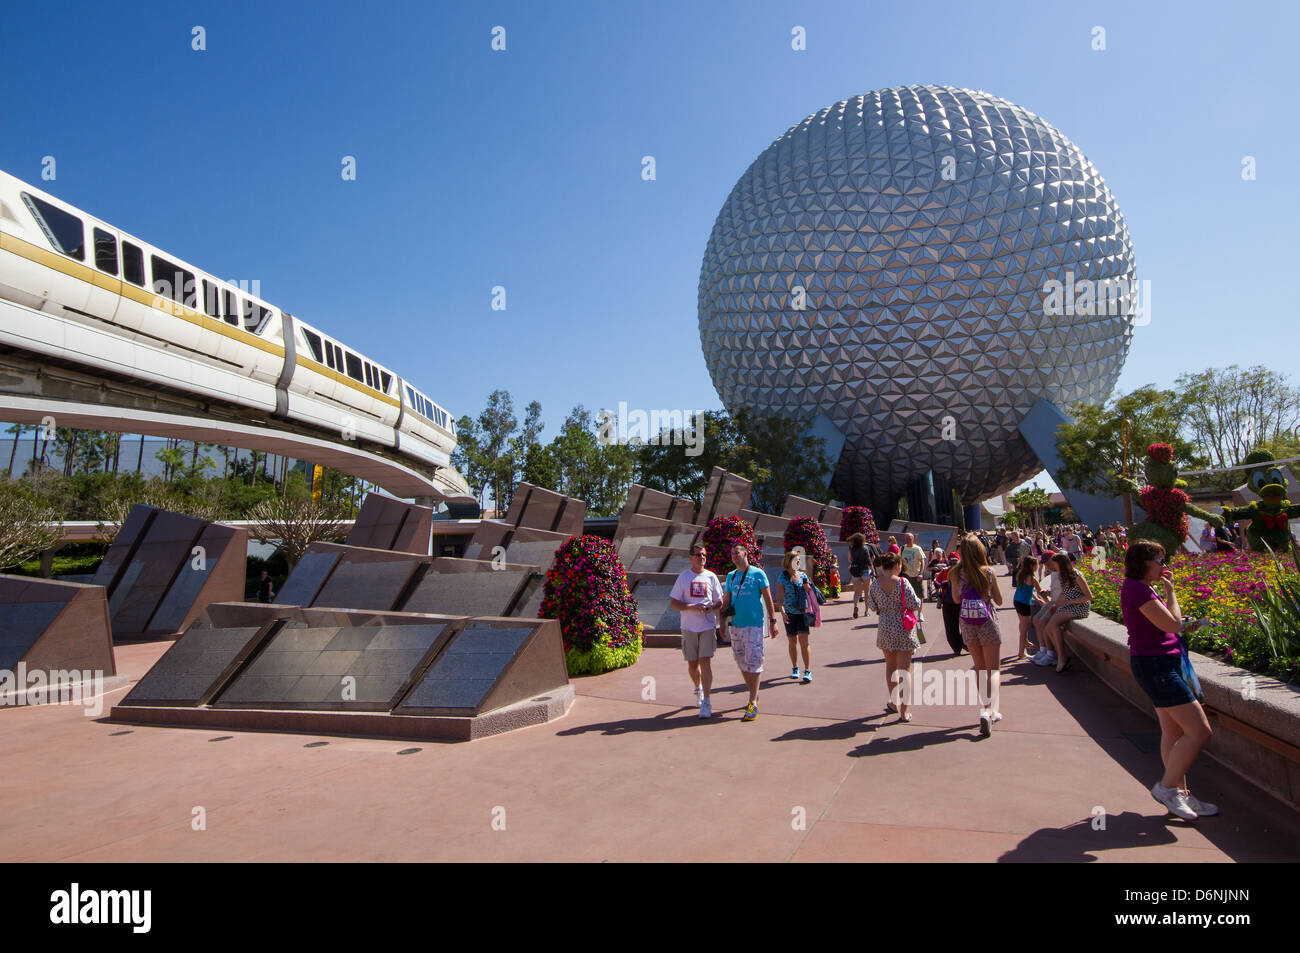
x,y
811,606
909,617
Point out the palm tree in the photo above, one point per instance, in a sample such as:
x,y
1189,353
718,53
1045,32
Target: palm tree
x,y
17,431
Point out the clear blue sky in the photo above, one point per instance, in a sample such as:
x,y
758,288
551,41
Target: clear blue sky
x,y
522,168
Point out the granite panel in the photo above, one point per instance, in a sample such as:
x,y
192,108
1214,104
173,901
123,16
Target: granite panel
x,y
308,578
461,678
543,509
368,579
487,536
161,555
799,506
21,625
193,587
307,668
532,604
194,667
123,545
652,592
467,593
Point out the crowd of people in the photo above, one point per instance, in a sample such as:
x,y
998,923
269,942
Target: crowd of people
x,y
894,580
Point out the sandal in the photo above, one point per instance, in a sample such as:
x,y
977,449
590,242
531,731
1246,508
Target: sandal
x,y
891,709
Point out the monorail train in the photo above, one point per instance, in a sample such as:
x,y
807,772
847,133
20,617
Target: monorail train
x,y
119,304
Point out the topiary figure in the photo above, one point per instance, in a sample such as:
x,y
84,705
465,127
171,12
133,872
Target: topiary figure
x,y
1269,514
721,536
1167,505
858,519
586,589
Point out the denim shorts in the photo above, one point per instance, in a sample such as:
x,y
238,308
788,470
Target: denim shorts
x,y
1161,677
797,623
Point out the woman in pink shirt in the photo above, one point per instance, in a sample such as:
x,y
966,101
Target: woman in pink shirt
x,y
1156,648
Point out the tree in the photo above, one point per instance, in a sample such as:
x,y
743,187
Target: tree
x,y
17,431
1091,447
296,521
29,525
520,446
782,457
1032,500
541,468
497,424
579,456
1230,412
469,460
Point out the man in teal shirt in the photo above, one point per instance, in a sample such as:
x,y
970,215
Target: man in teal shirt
x,y
748,591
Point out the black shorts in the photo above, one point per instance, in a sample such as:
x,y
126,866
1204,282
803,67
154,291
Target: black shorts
x,y
796,623
1023,609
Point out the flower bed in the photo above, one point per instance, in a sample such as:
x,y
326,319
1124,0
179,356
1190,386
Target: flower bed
x,y
805,532
721,536
858,519
586,589
1222,588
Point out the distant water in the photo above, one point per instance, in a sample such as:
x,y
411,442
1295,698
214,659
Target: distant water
x,y
150,466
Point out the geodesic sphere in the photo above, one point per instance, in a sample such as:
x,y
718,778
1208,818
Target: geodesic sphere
x,y
923,224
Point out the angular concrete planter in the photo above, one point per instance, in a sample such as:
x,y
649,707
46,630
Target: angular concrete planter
x,y
1255,718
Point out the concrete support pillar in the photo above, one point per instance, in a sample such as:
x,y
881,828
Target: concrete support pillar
x,y
971,514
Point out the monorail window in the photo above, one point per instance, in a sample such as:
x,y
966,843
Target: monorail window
x,y
255,316
338,357
63,230
132,264
313,344
105,252
231,310
354,366
173,281
386,379
211,299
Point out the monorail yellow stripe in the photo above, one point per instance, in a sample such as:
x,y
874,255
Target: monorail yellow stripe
x,y
311,365
89,275
75,269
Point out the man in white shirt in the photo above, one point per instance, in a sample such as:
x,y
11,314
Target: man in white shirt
x,y
913,557
697,594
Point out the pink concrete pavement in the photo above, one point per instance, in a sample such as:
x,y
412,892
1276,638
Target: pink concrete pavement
x,y
632,774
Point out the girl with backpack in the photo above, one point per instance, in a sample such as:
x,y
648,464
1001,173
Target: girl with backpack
x,y
798,614
972,579
859,568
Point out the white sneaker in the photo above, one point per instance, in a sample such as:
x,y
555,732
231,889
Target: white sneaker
x,y
1202,808
997,716
699,695
706,708
1049,658
1175,800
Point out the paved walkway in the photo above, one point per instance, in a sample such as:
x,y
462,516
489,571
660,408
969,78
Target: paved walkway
x,y
633,774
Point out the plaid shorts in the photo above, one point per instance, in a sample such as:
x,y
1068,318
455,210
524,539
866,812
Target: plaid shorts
x,y
747,646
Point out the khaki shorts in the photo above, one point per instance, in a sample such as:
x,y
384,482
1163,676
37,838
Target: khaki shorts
x,y
698,645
